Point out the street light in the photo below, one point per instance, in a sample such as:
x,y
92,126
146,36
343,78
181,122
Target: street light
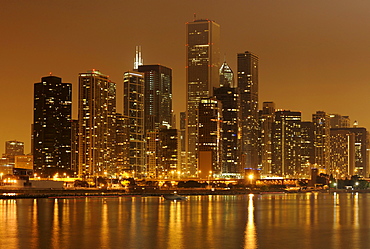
x,y
251,176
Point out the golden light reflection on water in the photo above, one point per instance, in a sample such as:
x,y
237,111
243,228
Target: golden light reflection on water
x,y
253,221
250,230
55,233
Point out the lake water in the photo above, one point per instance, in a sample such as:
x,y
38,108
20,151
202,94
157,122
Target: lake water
x,y
286,221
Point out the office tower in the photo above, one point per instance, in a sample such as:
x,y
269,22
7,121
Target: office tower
x,y
342,153
122,145
157,96
361,167
248,95
168,153
321,121
286,144
339,121
52,127
202,75
14,148
307,148
209,143
133,109
266,119
97,129
226,76
228,97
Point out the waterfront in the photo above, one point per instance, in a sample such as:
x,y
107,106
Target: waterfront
x,y
305,220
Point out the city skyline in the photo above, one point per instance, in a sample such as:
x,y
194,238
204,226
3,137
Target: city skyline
x,y
307,51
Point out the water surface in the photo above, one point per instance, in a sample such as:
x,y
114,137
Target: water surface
x,y
286,221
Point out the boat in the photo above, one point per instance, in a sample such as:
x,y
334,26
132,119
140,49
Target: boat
x,y
174,197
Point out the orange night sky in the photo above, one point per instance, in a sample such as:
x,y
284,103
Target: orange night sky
x,y
314,55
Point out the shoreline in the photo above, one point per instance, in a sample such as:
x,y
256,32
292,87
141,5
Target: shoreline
x,y
79,193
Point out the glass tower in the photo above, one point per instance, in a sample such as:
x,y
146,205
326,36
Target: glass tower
x,y
248,104
97,117
52,126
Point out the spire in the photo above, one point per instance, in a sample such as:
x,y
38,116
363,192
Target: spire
x,y
138,60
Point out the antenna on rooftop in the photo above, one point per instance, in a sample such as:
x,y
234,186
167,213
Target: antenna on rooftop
x,y
138,60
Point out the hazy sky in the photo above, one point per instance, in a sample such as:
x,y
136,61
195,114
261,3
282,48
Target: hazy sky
x,y
314,55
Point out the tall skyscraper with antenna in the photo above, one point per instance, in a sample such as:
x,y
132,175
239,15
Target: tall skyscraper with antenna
x,y
202,76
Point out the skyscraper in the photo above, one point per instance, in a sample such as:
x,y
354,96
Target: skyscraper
x,y
321,121
307,147
158,96
209,143
286,144
267,118
133,110
52,126
342,153
248,104
228,96
202,75
96,115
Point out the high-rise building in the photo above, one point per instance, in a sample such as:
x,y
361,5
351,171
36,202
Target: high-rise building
x,y
342,153
52,126
168,153
157,96
12,149
97,128
286,144
202,75
321,121
307,148
133,109
228,97
266,119
361,144
248,104
210,134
